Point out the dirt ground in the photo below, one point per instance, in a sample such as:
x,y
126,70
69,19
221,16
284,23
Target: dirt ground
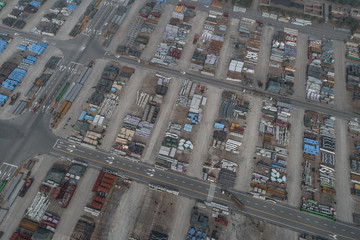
x,y
76,207
156,213
225,54
64,128
156,36
16,212
300,66
204,137
344,205
152,151
181,220
125,214
262,66
249,144
189,48
294,160
243,227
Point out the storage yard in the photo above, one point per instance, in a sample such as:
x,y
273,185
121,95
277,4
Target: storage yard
x,y
269,178
209,43
174,37
178,143
97,112
282,62
52,21
244,51
318,183
353,69
14,71
23,12
139,32
320,72
87,16
222,166
202,131
139,123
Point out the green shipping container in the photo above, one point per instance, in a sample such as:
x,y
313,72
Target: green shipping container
x,y
2,4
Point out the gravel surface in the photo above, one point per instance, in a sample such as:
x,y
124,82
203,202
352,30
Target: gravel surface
x,y
344,205
204,138
295,157
81,197
249,144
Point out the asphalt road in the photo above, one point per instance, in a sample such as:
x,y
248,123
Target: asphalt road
x,y
197,189
25,137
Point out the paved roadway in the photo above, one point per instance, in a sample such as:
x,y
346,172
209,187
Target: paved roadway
x,y
197,189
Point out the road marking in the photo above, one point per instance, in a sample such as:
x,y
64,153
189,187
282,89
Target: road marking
x,y
281,211
290,214
265,206
160,175
256,203
316,221
307,219
273,209
247,201
137,168
325,224
167,177
352,232
183,181
299,216
334,227
175,179
201,193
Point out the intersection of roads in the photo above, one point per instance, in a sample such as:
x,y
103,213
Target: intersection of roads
x,y
31,133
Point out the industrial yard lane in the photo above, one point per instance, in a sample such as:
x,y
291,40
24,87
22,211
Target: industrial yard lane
x,y
196,189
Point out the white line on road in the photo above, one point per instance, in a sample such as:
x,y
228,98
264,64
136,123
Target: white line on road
x,y
325,224
299,216
265,206
281,211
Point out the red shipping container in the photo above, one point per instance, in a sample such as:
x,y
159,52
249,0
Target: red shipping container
x,y
108,175
105,185
108,180
221,221
96,205
102,189
99,199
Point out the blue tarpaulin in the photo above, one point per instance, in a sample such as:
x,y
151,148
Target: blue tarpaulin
x,y
71,7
